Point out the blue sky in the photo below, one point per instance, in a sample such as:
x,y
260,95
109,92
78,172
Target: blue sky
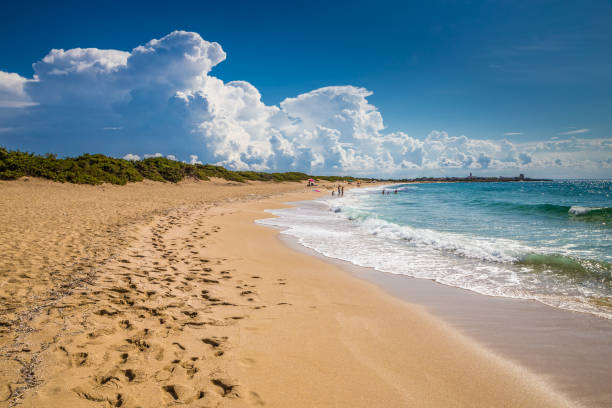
x,y
517,72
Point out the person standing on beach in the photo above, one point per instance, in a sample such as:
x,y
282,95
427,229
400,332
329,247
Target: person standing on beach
x,y
383,192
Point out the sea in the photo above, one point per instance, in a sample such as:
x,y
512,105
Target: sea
x,y
549,241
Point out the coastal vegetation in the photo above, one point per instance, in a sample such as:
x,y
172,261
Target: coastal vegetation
x,y
98,169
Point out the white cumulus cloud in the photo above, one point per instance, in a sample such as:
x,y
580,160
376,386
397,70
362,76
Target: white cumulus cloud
x,y
162,97
193,159
12,92
131,157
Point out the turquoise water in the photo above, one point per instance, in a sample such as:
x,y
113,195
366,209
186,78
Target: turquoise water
x,y
572,218
549,241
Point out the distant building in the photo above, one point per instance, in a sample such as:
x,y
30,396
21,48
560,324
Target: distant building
x,y
521,176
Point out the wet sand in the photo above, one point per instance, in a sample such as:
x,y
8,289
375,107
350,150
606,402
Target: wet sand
x,y
571,350
160,295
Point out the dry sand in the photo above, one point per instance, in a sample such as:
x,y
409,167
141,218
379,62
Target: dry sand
x,y
155,295
56,239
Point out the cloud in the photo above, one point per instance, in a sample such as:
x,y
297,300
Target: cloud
x,y
147,156
193,159
131,157
574,132
162,97
87,61
12,93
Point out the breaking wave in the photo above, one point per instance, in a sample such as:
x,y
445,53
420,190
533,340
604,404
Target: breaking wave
x,y
460,236
584,213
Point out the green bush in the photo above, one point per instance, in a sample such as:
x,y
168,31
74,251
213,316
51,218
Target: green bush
x,y
98,168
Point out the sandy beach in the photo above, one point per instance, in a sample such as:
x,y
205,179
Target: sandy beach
x,y
158,295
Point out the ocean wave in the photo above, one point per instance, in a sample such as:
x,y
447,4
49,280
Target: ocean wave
x,y
584,213
590,212
574,268
489,249
487,265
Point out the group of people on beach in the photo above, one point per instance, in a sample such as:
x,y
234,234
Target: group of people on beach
x,y
340,191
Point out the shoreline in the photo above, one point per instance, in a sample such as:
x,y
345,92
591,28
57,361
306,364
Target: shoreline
x,y
571,350
517,378
201,306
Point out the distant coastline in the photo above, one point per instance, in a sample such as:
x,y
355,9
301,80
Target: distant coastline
x,y
471,179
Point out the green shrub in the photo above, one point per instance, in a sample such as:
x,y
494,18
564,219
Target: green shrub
x,y
98,168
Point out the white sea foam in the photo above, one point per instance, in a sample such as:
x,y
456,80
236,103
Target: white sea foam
x,y
577,210
495,250
345,229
